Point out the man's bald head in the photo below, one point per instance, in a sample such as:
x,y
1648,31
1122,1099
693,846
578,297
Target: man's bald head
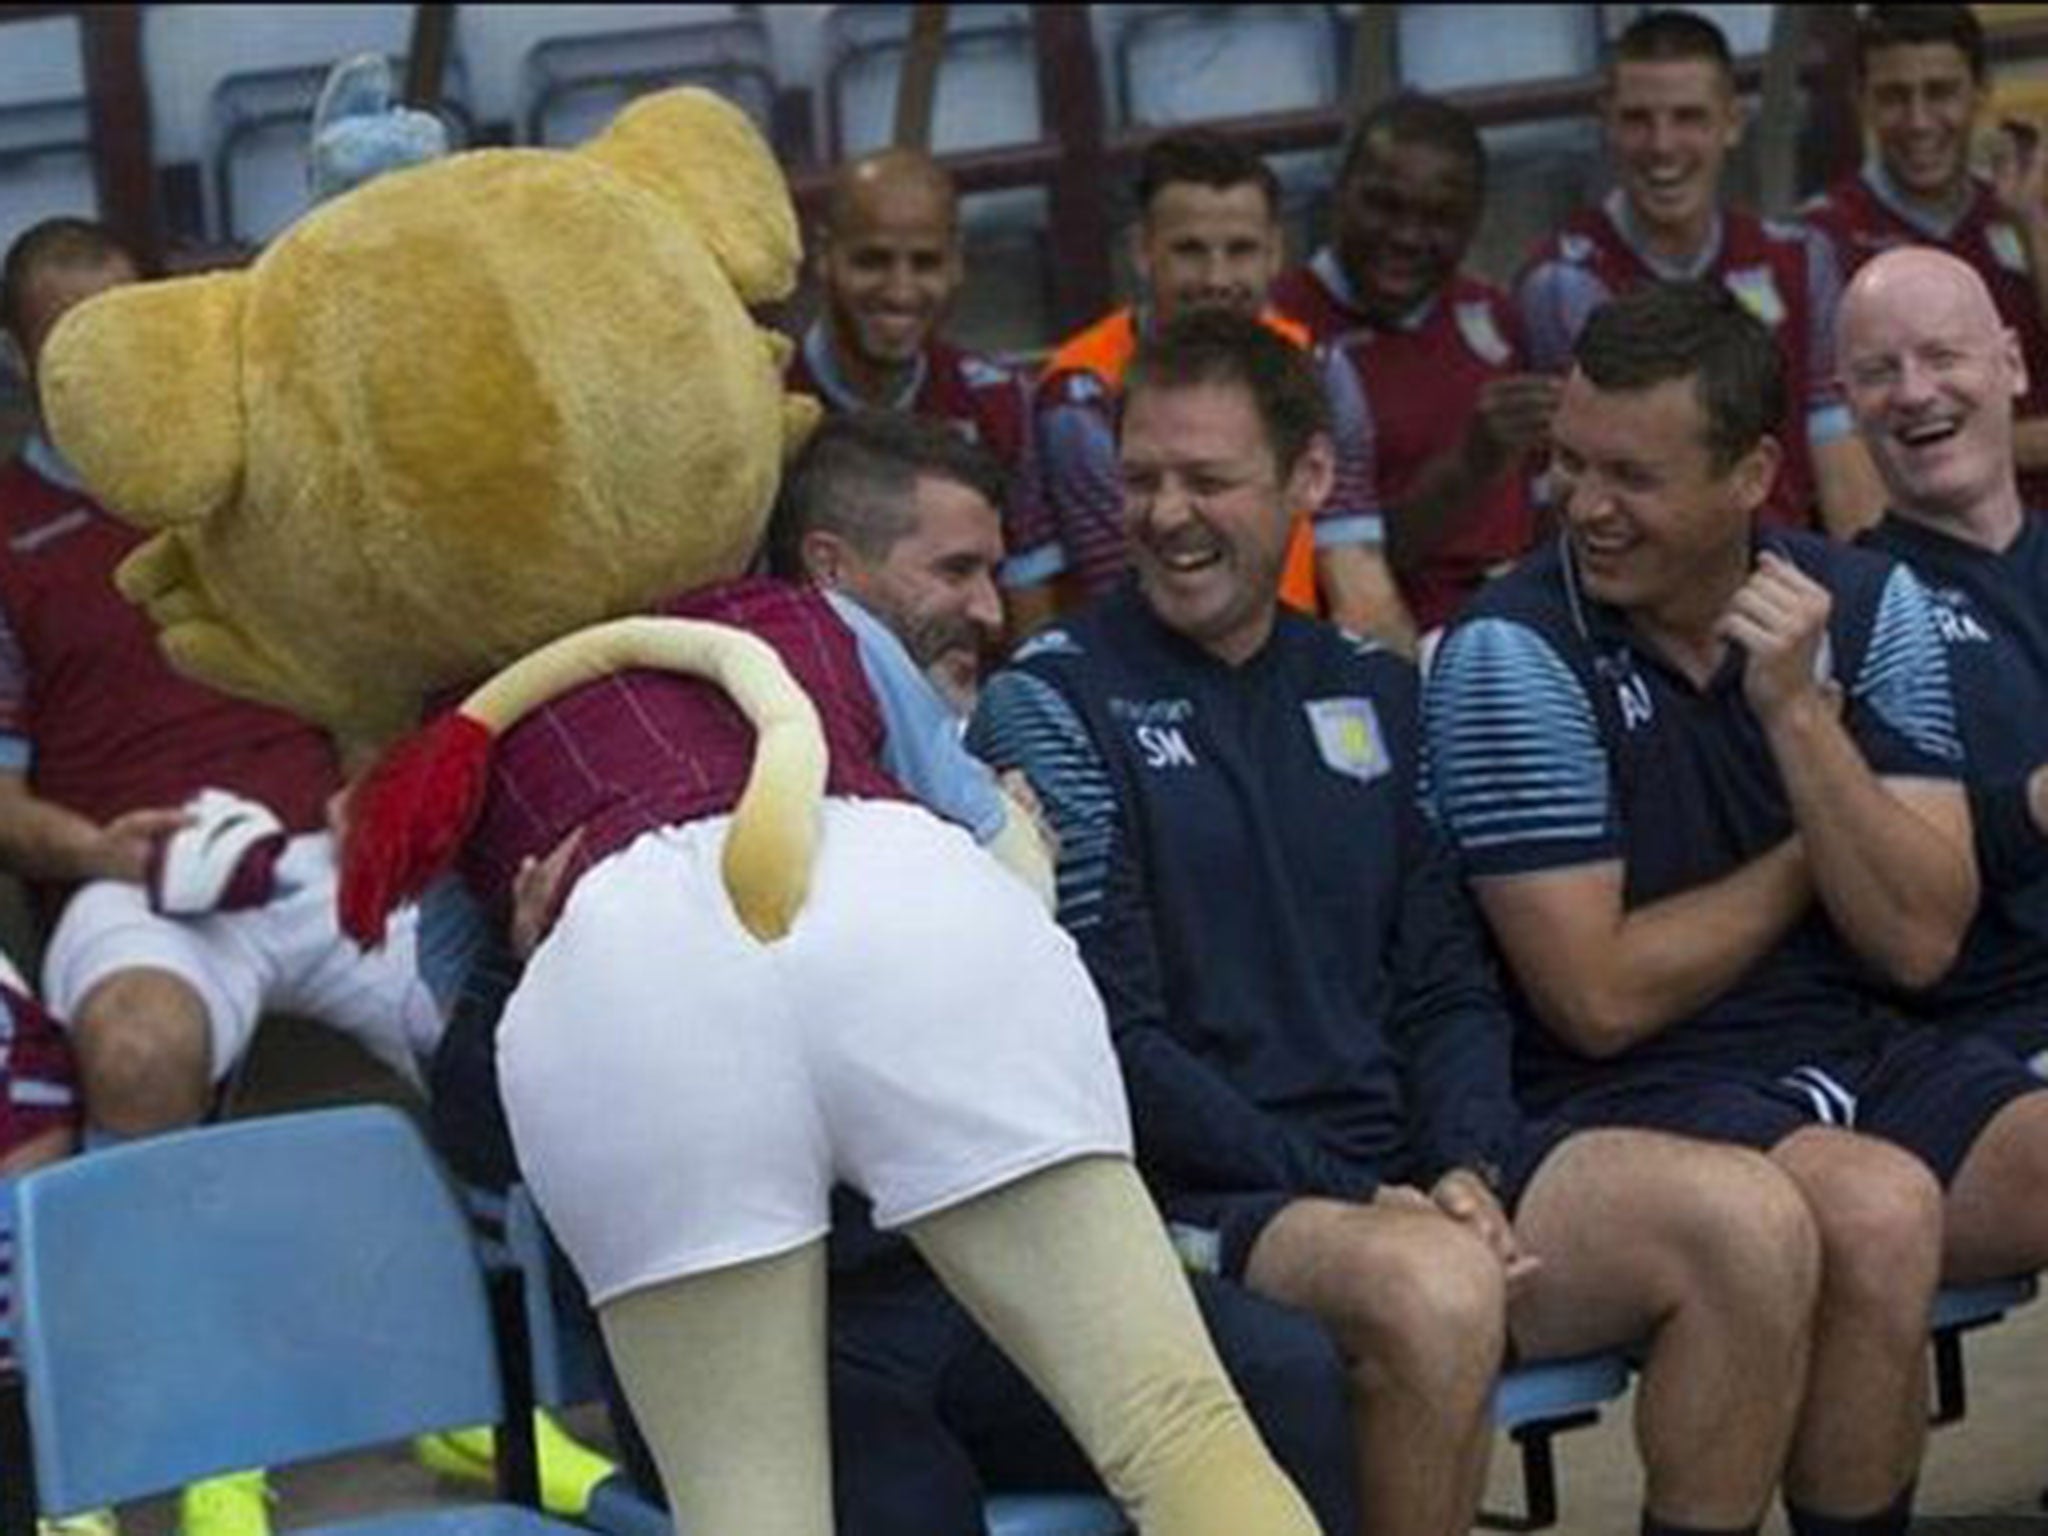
x,y
1913,276
1932,373
886,175
888,267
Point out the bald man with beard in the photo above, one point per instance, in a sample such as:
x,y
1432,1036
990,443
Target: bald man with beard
x,y
1933,376
889,264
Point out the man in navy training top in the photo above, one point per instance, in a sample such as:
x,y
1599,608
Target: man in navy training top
x,y
1706,784
900,519
1316,1058
1934,378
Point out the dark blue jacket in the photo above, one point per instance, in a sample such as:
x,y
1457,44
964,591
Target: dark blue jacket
x,y
1295,983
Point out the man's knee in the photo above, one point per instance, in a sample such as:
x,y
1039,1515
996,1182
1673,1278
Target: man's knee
x,y
144,1052
1745,1238
1878,1211
1417,1295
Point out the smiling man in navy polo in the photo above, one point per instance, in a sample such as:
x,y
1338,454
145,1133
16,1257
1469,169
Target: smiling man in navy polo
x,y
1314,1051
1706,783
1934,377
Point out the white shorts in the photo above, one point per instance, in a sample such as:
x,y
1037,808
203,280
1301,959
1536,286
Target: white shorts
x,y
288,956
683,1098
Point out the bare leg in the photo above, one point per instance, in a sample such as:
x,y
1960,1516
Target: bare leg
x,y
1417,1306
726,1375
144,1053
1071,1274
1864,1424
1997,1217
1709,1254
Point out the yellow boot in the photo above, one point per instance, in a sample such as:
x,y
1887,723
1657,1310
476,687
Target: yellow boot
x,y
568,1470
233,1504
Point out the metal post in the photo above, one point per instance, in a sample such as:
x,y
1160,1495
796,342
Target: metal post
x,y
917,88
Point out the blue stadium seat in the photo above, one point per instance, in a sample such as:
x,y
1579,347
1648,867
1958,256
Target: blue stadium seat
x,y
261,1292
1959,1309
45,136
1536,1402
190,52
1198,63
45,164
1179,64
262,123
573,85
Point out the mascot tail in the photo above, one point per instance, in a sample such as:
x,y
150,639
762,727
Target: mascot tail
x,y
411,812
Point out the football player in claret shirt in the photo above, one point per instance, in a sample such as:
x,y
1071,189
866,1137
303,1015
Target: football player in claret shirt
x,y
1671,118
889,265
1455,413
1921,92
1208,236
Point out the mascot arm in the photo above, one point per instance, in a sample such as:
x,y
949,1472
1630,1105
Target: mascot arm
x,y
409,815
1022,849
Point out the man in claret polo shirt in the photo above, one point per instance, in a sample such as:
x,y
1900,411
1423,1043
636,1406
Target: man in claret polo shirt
x,y
1706,784
1455,412
889,265
1922,89
1672,118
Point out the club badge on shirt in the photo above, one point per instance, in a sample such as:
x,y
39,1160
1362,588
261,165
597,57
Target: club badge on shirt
x,y
1348,736
1758,291
1475,324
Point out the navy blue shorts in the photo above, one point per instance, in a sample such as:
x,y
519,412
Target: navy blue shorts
x,y
2025,1038
1928,1091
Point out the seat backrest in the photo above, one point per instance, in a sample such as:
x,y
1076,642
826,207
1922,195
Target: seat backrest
x,y
45,165
987,88
262,123
568,1364
243,1295
573,86
1195,63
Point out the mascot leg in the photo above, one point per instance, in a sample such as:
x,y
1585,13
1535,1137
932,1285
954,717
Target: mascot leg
x,y
1071,1274
726,1374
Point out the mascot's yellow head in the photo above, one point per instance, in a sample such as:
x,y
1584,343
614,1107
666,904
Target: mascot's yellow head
x,y
456,412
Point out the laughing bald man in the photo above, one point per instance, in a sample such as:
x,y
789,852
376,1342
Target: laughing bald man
x,y
1933,376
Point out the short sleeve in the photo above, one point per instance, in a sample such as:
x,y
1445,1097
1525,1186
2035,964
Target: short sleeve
x,y
1518,773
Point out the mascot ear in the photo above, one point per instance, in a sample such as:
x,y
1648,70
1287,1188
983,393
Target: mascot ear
x,y
703,155
141,388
